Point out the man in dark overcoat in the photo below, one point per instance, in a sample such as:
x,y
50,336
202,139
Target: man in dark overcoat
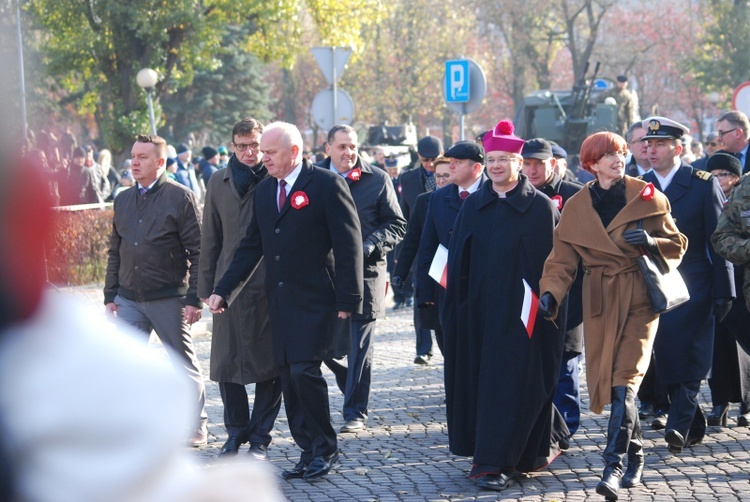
x,y
382,228
539,165
683,348
502,360
418,180
467,166
306,227
241,351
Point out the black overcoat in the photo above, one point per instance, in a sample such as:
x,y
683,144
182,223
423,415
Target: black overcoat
x,y
500,382
382,224
306,287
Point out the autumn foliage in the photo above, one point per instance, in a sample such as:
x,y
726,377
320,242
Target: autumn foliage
x,y
78,253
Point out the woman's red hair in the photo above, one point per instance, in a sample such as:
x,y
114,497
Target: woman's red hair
x,y
597,145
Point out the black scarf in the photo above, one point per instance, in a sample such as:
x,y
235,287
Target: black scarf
x,y
607,203
245,176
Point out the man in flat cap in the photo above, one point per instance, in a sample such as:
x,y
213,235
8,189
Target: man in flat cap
x,y
733,129
627,108
684,340
467,164
418,180
539,168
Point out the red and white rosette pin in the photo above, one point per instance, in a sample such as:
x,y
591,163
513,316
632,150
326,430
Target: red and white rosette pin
x,y
648,192
557,199
355,174
299,200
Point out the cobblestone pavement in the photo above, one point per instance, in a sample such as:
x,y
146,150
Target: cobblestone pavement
x,y
403,454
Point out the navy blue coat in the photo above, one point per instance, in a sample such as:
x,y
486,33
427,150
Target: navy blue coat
x,y
410,245
306,287
438,226
684,340
412,185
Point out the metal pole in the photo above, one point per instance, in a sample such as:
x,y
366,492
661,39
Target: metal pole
x,y
20,69
151,112
335,104
461,121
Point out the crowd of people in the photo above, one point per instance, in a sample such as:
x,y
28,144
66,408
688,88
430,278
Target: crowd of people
x,y
513,266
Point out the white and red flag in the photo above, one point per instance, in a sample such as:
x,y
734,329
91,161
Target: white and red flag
x,y
529,309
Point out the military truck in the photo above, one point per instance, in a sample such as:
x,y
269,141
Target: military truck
x,y
393,140
566,117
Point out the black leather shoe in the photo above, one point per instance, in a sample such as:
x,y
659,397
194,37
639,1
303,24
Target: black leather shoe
x,y
298,471
320,466
675,440
232,446
660,420
743,420
718,415
609,486
494,482
258,451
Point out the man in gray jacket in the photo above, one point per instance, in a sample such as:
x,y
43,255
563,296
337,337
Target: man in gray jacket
x,y
155,242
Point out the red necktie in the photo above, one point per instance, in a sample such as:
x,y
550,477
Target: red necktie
x,y
463,194
282,193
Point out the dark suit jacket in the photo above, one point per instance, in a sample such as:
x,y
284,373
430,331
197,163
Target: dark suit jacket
x,y
410,244
382,224
412,185
306,287
441,216
685,335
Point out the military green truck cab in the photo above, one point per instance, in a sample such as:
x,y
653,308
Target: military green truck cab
x,y
565,117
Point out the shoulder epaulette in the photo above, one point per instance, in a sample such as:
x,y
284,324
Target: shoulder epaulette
x,y
639,177
704,175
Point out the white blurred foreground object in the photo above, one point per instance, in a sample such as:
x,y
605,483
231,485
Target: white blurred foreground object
x,y
92,414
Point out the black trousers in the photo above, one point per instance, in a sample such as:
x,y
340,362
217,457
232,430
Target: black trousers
x,y
354,374
730,372
307,408
237,418
652,391
685,416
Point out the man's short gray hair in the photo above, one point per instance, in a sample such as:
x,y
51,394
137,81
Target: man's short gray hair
x,y
289,134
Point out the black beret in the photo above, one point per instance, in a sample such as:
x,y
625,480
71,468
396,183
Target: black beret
x,y
537,148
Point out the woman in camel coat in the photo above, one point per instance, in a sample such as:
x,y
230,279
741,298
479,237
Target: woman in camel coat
x,y
598,227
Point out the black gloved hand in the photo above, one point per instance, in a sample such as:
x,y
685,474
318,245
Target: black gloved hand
x,y
639,237
368,247
547,304
722,306
397,281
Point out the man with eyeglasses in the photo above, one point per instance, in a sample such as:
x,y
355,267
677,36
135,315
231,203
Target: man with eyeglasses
x,y
241,348
711,146
418,180
467,166
685,337
638,165
733,129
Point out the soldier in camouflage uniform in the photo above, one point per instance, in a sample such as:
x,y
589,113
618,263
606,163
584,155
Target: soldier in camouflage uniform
x,y
731,239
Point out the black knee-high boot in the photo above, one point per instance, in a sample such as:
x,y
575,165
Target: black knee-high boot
x,y
622,418
634,472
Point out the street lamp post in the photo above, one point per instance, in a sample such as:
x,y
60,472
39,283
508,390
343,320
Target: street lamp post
x,y
147,79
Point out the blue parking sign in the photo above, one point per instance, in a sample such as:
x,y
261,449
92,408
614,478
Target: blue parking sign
x,y
457,88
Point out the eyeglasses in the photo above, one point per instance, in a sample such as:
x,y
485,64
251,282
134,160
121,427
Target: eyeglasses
x,y
714,143
722,133
241,147
500,160
723,174
613,155
443,176
425,159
